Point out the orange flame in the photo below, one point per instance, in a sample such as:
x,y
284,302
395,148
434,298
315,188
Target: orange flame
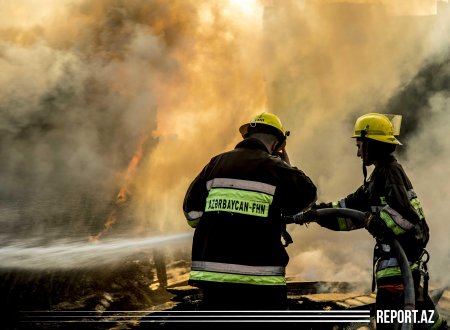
x,y
122,195
108,224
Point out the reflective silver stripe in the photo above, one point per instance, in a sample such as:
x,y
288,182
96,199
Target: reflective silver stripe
x,y
397,217
386,263
193,215
411,194
238,269
376,209
241,184
392,262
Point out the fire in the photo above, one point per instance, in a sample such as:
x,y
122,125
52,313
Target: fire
x,y
108,224
123,194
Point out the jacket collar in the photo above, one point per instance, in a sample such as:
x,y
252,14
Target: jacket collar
x,y
252,143
388,159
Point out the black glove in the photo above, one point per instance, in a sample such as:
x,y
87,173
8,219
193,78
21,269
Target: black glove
x,y
305,217
377,227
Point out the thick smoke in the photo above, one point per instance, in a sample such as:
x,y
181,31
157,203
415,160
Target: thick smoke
x,y
335,62
424,102
84,82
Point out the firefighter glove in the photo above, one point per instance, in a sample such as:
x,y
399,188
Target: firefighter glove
x,y
305,217
377,227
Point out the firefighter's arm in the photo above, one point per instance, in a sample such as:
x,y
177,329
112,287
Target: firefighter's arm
x,y
326,222
391,219
284,156
397,216
195,199
356,201
310,215
329,220
299,193
397,198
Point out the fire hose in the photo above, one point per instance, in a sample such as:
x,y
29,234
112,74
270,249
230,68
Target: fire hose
x,y
361,218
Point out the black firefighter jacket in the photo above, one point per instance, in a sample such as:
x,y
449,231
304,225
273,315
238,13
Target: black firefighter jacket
x,y
236,205
390,197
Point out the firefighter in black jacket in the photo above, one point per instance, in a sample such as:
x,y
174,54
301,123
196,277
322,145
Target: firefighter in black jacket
x,y
236,204
396,213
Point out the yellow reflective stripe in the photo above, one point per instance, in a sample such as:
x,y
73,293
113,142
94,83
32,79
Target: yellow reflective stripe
x,y
342,222
392,271
405,224
193,218
238,201
396,229
193,223
417,207
437,324
236,278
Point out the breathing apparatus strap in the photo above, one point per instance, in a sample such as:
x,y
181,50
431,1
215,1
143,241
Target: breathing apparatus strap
x,y
376,257
423,259
364,169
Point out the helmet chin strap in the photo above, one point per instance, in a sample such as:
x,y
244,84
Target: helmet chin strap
x,y
364,169
364,153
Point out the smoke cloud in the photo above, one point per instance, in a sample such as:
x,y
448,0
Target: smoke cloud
x,y
83,83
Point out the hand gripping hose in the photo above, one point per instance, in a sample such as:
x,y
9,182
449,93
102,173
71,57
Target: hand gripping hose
x,y
361,218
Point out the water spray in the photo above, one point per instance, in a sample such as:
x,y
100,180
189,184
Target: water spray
x,y
82,254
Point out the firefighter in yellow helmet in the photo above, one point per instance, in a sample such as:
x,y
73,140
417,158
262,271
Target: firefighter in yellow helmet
x,y
389,197
236,205
370,130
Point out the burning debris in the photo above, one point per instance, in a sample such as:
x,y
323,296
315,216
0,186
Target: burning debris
x,y
122,195
136,283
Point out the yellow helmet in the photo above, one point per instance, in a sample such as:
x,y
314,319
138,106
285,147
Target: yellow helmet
x,y
264,118
378,127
